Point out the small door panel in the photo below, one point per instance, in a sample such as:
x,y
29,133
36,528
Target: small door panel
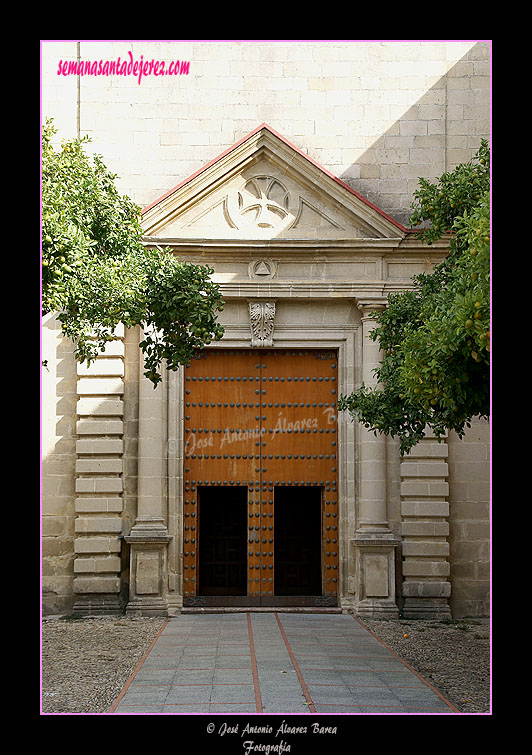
x,y
222,562
297,557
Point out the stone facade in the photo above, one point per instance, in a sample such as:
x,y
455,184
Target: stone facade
x,y
288,167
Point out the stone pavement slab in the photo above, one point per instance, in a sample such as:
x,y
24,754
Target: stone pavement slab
x,y
274,663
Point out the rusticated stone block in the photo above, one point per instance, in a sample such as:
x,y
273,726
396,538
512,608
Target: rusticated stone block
x,y
426,568
97,545
98,524
425,548
412,589
96,584
97,565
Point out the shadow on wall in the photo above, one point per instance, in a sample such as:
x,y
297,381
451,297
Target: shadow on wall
x,y
59,395
441,130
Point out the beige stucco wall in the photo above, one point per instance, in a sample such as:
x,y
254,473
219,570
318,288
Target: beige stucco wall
x,y
378,115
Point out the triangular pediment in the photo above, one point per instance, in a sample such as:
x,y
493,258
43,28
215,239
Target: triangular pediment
x,y
265,188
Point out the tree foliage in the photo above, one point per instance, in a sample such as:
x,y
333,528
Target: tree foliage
x,y
435,338
97,273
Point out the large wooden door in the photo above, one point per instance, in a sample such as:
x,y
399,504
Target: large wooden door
x,y
261,445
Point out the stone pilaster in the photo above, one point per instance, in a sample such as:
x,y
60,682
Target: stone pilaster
x,y
425,529
374,543
99,483
149,538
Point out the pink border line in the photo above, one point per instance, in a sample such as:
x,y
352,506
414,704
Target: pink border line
x,y
308,698
254,669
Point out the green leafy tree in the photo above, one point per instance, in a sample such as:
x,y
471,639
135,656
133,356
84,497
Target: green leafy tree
x,y
97,273
435,338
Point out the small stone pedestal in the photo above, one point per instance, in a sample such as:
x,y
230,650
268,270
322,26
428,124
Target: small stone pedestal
x,y
375,577
147,584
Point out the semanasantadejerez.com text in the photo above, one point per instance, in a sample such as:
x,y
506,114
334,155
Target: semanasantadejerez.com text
x,y
119,67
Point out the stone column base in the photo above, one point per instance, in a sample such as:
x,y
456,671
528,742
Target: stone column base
x,y
146,607
426,608
426,600
97,605
148,574
175,604
375,576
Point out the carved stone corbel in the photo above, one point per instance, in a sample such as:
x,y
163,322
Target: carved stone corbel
x,y
261,320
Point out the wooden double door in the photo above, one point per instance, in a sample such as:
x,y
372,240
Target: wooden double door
x,y
260,523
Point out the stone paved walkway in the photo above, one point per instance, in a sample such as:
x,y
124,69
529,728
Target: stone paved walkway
x,y
274,663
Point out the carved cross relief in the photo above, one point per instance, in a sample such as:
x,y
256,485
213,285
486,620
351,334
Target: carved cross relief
x,y
263,202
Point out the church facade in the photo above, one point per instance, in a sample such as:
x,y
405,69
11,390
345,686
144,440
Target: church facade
x,y
237,483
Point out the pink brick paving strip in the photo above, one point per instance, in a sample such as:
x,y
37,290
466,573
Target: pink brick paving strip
x,y
137,668
258,700
311,707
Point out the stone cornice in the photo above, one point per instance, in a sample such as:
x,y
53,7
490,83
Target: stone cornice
x,y
370,292
286,245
